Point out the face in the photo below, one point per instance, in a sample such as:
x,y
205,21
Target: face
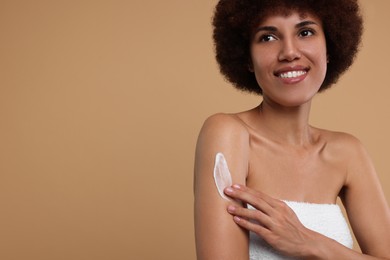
x,y
289,58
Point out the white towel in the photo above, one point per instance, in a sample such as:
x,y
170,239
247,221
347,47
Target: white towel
x,y
326,219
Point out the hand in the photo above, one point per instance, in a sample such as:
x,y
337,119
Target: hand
x,y
274,221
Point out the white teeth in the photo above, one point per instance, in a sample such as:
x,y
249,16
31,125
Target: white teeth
x,y
292,74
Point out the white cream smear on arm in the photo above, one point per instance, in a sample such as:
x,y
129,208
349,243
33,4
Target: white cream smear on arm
x,y
222,176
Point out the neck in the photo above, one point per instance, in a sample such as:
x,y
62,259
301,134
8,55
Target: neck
x,y
287,125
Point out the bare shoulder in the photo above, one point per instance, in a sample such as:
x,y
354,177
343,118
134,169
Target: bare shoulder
x,y
342,143
223,131
225,123
338,137
226,134
348,150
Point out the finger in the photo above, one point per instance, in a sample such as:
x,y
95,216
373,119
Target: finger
x,y
250,226
251,197
255,216
271,201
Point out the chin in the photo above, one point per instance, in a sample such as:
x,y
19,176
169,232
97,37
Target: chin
x,y
292,104
292,101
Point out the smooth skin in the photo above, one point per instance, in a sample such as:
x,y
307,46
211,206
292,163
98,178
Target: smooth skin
x,y
274,154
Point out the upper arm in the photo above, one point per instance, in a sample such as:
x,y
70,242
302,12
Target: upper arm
x,y
217,236
365,203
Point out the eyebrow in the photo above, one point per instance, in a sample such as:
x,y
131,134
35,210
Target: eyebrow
x,y
274,29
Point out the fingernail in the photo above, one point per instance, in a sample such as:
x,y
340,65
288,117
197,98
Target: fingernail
x,y
231,208
229,190
236,186
237,219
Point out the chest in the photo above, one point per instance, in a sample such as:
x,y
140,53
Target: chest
x,y
313,176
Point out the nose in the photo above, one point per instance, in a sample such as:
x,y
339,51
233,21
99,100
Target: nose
x,y
289,51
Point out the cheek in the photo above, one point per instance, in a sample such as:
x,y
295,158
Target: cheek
x,y
261,64
320,59
260,72
324,54
322,66
324,63
261,57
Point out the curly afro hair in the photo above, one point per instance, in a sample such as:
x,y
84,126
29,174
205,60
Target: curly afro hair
x,y
235,20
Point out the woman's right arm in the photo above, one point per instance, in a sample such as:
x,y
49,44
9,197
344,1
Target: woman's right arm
x,y
217,235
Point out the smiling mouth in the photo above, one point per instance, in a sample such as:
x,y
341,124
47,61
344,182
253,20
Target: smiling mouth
x,y
292,74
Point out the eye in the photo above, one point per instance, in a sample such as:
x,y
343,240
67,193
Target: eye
x,y
306,33
267,38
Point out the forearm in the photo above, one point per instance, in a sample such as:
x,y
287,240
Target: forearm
x,y
323,247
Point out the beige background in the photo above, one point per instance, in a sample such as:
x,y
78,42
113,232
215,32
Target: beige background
x,y
100,106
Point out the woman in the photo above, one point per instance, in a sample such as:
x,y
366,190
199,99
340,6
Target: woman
x,y
287,174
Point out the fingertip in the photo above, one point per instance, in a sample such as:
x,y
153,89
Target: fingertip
x,y
228,190
237,219
231,208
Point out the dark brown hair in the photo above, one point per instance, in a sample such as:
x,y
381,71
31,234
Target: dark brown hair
x,y
234,21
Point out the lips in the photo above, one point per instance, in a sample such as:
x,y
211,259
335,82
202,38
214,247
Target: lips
x,y
292,74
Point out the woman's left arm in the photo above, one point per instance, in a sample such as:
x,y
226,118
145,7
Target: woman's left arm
x,y
364,201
